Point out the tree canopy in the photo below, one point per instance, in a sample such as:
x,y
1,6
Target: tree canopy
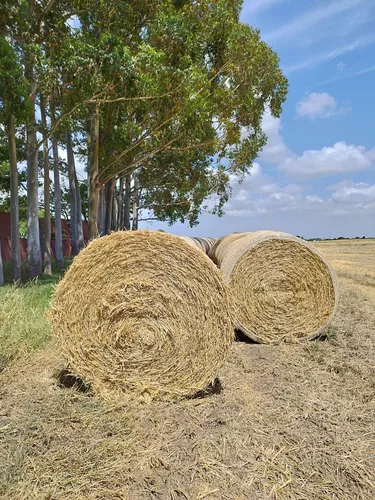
x,y
165,99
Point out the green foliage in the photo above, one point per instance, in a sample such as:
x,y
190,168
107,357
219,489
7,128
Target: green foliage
x,y
13,85
182,87
5,175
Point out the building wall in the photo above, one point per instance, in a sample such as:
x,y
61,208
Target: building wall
x,y
6,244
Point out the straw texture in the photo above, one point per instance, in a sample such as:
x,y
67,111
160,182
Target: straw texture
x,y
283,288
143,313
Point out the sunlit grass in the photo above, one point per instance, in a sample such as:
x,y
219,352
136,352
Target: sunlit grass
x,y
24,324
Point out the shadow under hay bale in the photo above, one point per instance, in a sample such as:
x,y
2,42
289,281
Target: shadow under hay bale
x,y
241,337
212,389
284,289
143,314
67,380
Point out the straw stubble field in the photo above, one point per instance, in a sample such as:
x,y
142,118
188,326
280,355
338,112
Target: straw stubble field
x,y
291,422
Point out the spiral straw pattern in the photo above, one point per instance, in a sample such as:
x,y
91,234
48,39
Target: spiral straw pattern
x,y
283,288
143,313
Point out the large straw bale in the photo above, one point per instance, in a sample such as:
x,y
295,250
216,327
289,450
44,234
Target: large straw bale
x,y
284,289
143,313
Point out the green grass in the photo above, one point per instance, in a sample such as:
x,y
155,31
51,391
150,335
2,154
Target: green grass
x,y
24,324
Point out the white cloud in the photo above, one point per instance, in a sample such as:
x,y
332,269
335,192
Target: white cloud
x,y
333,54
275,151
371,154
319,105
258,194
340,66
311,18
346,199
364,71
338,159
350,193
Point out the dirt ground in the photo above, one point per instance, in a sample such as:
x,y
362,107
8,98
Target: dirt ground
x,y
291,421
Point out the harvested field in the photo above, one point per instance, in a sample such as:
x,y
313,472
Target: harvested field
x,y
292,421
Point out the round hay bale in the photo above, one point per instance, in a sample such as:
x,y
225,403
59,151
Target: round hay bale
x,y
203,244
209,243
143,313
219,249
284,289
191,241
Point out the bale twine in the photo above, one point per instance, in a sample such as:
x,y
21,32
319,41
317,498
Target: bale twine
x,y
284,289
143,313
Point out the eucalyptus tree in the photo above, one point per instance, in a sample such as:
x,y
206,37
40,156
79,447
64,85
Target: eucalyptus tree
x,y
183,76
13,110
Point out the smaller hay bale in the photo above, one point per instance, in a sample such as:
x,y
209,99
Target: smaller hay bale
x,y
203,244
209,243
143,313
191,241
284,289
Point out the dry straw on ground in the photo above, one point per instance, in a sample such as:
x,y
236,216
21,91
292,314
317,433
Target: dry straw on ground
x,y
143,312
283,288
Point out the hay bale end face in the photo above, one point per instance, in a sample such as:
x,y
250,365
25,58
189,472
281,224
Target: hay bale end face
x,y
143,313
283,288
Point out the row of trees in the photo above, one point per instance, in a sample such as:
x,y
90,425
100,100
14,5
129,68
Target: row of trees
x,y
162,99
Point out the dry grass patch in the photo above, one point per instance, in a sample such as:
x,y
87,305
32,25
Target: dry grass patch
x,y
292,422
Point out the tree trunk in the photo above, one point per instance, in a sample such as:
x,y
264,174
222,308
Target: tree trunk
x,y
135,202
14,210
1,270
34,256
93,173
47,259
59,254
80,237
126,216
120,205
109,188
114,208
72,194
101,212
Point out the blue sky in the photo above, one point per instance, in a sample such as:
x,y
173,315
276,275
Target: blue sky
x,y
316,176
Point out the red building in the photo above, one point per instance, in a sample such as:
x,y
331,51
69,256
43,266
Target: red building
x,y
5,237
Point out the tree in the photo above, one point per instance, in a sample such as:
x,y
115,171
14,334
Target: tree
x,y
34,256
47,254
1,270
166,98
12,98
57,196
199,80
73,192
